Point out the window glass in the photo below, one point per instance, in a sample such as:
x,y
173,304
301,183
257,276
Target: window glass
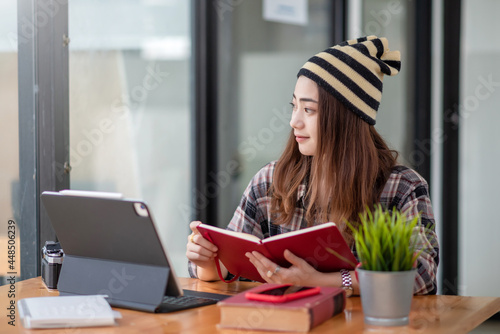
x,y
260,56
479,154
391,19
129,107
9,133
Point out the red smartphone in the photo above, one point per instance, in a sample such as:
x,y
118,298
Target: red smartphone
x,y
283,293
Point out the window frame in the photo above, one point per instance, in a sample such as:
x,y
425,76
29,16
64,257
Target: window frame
x,y
43,120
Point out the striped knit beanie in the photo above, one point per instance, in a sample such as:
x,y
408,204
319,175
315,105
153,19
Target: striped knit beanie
x,y
353,72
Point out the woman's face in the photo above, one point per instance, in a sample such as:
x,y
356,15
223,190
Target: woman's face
x,y
305,115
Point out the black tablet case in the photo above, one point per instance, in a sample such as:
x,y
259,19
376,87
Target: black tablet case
x,y
110,249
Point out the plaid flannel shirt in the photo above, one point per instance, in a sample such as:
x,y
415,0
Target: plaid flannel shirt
x,y
405,190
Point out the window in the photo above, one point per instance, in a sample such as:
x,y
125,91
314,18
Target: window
x,y
9,134
129,107
259,59
478,149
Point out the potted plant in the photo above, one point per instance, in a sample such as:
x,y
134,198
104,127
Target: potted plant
x,y
387,253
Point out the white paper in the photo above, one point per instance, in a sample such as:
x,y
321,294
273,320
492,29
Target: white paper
x,y
286,11
66,311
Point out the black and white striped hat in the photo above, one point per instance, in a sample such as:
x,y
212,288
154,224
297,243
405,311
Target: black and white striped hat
x,y
353,72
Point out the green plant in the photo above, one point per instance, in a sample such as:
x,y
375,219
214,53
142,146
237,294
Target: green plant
x,y
384,240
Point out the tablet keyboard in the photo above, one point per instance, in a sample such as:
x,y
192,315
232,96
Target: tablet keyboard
x,y
171,304
188,301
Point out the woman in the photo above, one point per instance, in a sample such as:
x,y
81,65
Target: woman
x,y
334,166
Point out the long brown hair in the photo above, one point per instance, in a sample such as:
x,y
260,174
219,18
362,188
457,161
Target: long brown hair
x,y
346,175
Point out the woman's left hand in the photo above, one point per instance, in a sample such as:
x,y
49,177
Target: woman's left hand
x,y
300,273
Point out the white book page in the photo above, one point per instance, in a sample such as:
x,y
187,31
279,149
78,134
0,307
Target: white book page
x,y
305,230
241,235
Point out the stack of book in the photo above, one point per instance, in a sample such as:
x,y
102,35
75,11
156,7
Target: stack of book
x,y
301,315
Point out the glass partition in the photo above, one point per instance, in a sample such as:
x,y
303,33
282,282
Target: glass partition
x,y
479,153
9,139
129,107
391,19
261,50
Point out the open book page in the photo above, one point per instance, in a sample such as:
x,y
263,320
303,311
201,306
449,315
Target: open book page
x,y
322,246
240,235
232,249
294,233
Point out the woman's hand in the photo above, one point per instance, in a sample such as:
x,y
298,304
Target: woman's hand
x,y
199,250
202,253
300,273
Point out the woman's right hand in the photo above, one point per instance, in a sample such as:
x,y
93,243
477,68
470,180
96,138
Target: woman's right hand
x,y
199,250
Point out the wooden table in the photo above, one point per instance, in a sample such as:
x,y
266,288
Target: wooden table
x,y
429,314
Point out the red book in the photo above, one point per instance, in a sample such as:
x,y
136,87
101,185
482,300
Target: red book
x,y
297,315
322,246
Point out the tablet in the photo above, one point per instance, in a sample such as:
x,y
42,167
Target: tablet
x,y
111,246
